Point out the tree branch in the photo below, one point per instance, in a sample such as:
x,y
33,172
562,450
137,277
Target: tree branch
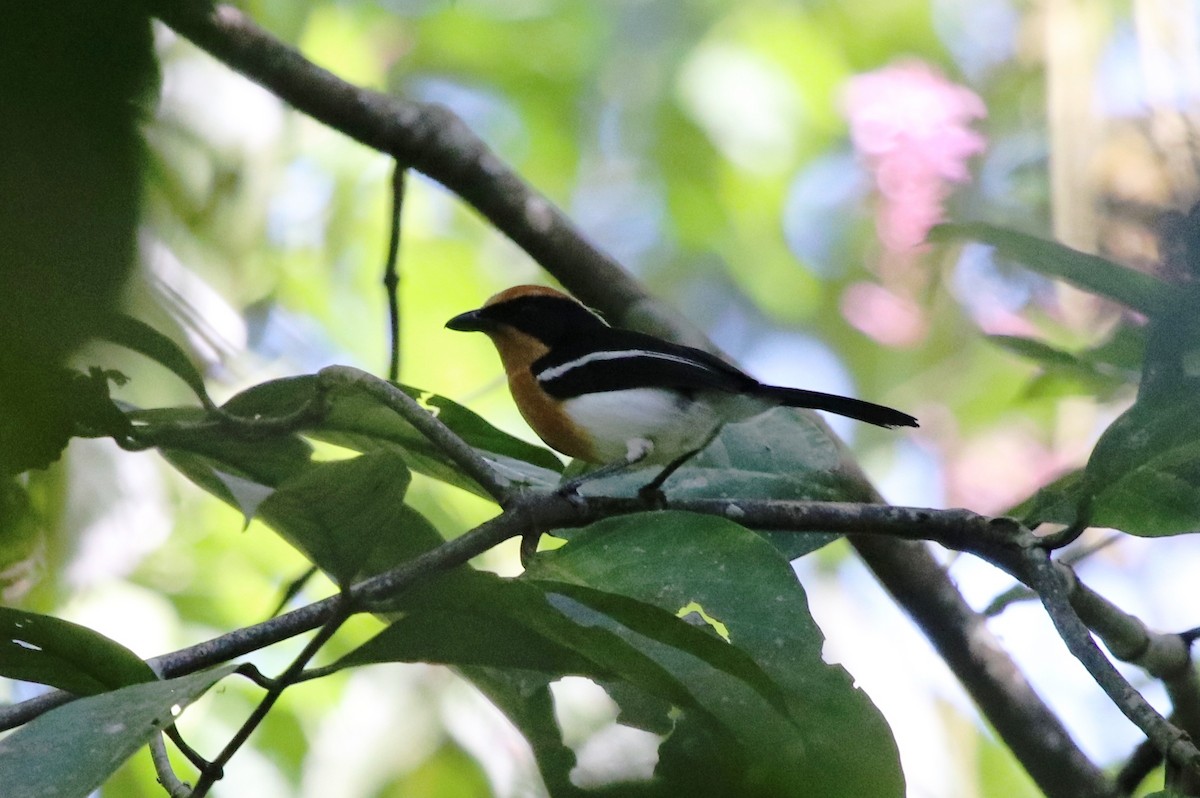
x,y
1053,586
995,539
429,138
425,422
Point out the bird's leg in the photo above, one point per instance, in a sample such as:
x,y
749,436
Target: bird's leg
x,y
636,451
652,491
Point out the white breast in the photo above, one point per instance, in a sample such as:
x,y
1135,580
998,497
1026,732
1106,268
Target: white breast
x,y
672,423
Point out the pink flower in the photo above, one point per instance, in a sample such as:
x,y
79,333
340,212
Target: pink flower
x,y
911,127
889,318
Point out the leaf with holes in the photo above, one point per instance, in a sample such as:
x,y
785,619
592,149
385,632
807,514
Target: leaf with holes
x,y
830,741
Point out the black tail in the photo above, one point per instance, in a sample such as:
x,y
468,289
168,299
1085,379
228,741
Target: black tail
x,y
842,405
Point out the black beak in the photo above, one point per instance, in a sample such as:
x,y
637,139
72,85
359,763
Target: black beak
x,y
471,321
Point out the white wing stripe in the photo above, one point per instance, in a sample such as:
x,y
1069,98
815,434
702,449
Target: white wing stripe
x,y
555,372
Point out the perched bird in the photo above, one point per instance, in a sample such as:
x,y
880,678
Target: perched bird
x,y
618,397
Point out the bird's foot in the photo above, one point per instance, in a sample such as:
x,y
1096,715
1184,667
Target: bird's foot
x,y
653,495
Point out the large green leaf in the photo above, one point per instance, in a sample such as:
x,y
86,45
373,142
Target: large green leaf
x,y
831,741
1143,476
71,750
349,516
48,650
520,635
1134,289
782,454
479,619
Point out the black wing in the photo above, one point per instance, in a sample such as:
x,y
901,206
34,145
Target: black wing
x,y
617,360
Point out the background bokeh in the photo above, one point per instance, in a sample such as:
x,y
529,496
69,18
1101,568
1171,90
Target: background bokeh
x,y
770,168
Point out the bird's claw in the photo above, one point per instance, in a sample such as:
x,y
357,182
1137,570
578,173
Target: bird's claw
x,y
570,492
653,495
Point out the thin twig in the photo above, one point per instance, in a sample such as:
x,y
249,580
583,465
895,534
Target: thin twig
x,y
162,768
1052,587
427,137
250,671
391,274
192,754
343,608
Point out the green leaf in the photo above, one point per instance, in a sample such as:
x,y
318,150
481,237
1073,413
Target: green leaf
x,y
349,516
1066,373
831,740
266,460
1134,289
479,619
782,454
356,420
141,337
48,650
1037,350
1102,369
513,629
72,750
1055,503
237,470
1143,476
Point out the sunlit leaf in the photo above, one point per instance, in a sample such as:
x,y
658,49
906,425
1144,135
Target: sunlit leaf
x,y
358,421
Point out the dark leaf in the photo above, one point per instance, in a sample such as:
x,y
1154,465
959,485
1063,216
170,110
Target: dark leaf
x,y
47,650
142,338
783,454
72,750
1135,290
349,516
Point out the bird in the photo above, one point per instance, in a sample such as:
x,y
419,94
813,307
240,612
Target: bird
x,y
616,397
